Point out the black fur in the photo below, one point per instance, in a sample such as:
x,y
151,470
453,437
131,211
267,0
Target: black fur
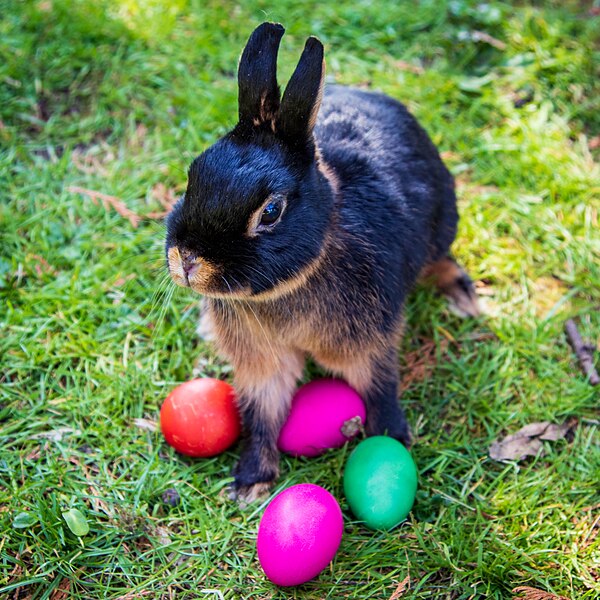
x,y
301,98
257,79
378,198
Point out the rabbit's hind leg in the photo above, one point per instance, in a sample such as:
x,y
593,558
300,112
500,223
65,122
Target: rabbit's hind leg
x,y
454,283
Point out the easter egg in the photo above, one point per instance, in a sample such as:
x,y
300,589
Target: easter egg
x,y
318,413
299,534
200,417
380,482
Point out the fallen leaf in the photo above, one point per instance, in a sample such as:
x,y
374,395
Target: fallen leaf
x,y
86,162
351,427
403,586
419,363
108,201
515,448
406,66
55,435
145,424
167,197
134,595
76,522
555,432
449,155
40,264
594,142
25,520
62,591
139,136
123,280
34,454
535,594
528,440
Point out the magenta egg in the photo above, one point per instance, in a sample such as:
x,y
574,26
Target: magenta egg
x,y
318,413
299,534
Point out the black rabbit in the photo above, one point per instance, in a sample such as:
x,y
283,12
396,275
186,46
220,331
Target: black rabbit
x,y
305,227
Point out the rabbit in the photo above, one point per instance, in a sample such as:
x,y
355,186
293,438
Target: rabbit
x,y
304,228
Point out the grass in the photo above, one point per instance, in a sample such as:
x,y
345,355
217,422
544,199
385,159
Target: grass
x,y
118,97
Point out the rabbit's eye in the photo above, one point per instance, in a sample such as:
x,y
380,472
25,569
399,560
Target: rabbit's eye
x,y
267,216
271,212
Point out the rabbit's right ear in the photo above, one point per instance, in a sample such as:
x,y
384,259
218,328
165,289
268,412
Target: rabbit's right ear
x,y
257,76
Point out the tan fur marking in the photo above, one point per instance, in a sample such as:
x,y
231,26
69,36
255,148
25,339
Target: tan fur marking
x,y
442,273
445,274
358,366
176,266
282,289
206,323
269,388
328,172
249,494
358,373
264,115
254,220
200,279
260,362
293,283
312,119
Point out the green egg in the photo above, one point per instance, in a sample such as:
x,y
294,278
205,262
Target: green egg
x,y
380,482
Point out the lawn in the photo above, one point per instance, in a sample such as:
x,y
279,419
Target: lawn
x,y
116,98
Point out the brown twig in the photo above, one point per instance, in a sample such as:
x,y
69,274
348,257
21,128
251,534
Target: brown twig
x,y
583,351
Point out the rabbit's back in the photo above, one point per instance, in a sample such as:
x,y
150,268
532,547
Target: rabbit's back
x,y
392,178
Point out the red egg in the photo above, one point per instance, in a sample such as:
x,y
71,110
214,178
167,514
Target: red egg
x,y
200,417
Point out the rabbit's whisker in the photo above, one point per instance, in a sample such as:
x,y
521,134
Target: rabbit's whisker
x,y
249,306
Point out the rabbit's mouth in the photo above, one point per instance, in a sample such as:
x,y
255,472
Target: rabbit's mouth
x,y
188,270
202,276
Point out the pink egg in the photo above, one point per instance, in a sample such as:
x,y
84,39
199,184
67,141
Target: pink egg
x,y
299,534
319,411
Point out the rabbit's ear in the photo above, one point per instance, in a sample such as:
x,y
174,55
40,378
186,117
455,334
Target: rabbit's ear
x,y
302,96
257,76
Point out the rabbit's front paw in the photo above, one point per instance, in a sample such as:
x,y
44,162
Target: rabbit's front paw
x,y
254,474
247,494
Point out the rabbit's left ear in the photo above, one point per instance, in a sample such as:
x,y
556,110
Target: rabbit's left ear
x,y
257,76
302,97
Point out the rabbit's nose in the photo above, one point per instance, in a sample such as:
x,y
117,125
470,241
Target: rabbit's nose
x,y
189,264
